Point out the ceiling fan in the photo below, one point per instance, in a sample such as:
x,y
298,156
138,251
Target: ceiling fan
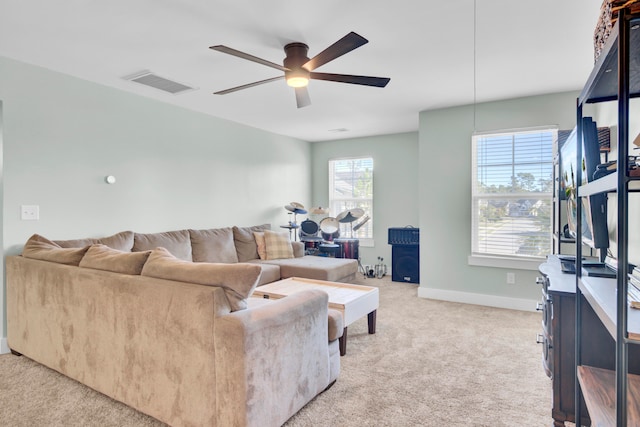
x,y
298,68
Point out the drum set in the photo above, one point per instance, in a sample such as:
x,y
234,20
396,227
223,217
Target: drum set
x,y
323,238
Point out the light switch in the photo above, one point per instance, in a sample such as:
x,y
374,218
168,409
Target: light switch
x,y
30,212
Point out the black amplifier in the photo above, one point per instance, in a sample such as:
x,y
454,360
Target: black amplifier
x,y
404,236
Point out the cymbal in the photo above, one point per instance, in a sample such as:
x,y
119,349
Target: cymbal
x,y
294,207
350,215
319,211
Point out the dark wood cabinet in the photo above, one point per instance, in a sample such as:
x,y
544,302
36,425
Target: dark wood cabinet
x,y
558,339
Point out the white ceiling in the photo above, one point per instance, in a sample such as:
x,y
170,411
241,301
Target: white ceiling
x,y
426,48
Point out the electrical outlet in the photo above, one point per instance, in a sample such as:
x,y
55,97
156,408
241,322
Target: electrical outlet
x,y
30,212
511,278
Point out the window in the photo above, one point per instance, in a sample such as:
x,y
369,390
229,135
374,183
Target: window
x,y
512,193
351,186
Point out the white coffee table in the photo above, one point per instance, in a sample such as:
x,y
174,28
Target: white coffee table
x,y
354,301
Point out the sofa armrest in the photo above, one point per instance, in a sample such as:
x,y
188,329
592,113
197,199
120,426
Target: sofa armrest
x,y
298,249
271,360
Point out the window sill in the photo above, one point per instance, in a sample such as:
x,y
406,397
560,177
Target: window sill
x,y
505,262
367,243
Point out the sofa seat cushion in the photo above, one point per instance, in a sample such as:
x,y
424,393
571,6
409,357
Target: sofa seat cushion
x,y
213,245
245,241
270,272
178,243
122,241
39,247
102,257
315,267
237,280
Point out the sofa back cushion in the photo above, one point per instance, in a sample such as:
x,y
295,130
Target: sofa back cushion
x,y
122,241
262,250
237,280
213,245
176,242
102,257
245,241
39,247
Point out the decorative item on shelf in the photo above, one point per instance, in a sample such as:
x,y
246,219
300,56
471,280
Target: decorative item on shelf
x,y
608,17
633,291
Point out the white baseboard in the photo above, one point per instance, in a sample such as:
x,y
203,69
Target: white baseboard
x,y
478,299
4,347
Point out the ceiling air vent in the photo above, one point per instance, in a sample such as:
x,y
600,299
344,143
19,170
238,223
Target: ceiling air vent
x,y
155,81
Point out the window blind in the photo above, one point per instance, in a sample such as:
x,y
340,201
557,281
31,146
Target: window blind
x,y
512,187
351,186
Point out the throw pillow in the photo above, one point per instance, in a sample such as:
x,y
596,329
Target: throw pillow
x,y
237,280
177,242
122,241
39,247
277,245
262,251
213,245
246,243
102,257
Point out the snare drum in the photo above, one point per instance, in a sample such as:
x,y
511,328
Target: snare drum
x,y
330,228
349,248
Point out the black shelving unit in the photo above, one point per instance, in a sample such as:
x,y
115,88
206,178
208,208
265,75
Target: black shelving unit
x,y
615,77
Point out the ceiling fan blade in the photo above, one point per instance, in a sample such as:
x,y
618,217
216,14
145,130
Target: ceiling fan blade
x,y
345,45
248,85
302,97
234,52
356,80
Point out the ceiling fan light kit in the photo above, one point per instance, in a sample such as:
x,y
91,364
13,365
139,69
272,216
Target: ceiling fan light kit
x,y
296,75
298,68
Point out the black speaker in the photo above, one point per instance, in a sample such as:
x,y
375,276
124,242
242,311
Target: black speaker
x,y
405,263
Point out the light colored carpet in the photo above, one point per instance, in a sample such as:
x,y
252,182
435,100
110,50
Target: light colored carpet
x,y
430,363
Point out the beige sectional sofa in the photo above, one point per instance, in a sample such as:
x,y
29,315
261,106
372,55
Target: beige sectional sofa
x,y
230,245
182,341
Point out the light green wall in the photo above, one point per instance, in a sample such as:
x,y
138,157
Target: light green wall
x,y
175,168
445,190
395,183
